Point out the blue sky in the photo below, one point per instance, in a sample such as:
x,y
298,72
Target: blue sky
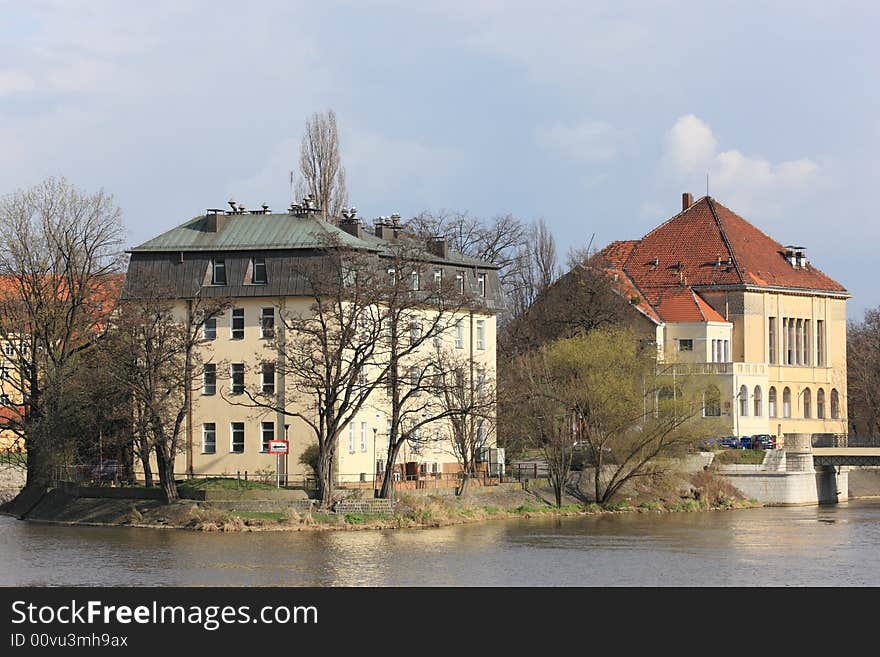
x,y
595,116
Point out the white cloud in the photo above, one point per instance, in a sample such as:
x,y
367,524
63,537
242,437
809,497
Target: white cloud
x,y
746,182
586,141
15,82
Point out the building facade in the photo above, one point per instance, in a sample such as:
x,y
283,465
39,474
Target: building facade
x,y
250,258
765,326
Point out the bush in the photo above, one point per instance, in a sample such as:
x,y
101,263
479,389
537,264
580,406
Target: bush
x,y
310,458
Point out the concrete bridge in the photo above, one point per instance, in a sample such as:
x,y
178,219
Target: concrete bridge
x,y
806,470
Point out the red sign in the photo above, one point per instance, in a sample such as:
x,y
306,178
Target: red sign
x,y
278,446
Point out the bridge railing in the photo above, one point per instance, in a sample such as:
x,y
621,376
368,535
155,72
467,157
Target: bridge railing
x,y
844,440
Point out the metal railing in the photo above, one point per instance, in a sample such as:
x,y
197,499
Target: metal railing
x,y
844,440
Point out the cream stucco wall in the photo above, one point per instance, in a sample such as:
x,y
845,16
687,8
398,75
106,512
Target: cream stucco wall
x,y
354,462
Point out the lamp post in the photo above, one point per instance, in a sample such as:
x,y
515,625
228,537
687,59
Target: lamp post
x,y
286,456
375,430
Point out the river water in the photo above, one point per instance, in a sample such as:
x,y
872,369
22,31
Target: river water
x,y
816,546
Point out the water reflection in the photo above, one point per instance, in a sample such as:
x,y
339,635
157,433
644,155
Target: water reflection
x,y
835,545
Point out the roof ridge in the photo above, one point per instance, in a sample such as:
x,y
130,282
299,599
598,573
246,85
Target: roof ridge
x,y
711,203
697,303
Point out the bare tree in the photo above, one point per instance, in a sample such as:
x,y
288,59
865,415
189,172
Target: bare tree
x,y
536,268
470,406
59,256
155,345
320,164
863,373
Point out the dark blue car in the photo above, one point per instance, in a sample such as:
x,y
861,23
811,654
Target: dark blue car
x,y
745,442
730,442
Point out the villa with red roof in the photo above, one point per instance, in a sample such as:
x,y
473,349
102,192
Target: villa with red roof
x,y
728,300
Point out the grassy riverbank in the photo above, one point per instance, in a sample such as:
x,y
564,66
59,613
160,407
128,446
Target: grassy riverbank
x,y
687,493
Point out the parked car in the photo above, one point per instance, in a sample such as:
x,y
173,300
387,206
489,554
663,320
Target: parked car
x,y
765,441
745,442
731,442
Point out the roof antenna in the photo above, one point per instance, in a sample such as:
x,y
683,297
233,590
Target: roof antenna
x,y
707,183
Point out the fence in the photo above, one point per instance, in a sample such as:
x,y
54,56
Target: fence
x,y
844,440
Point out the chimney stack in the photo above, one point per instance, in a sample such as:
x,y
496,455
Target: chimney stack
x,y
687,200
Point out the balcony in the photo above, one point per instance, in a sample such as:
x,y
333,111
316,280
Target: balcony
x,y
718,368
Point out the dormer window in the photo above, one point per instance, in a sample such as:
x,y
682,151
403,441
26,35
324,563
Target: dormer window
x,y
258,269
218,271
481,282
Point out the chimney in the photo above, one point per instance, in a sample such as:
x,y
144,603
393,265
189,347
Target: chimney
x,y
386,229
687,200
438,246
214,220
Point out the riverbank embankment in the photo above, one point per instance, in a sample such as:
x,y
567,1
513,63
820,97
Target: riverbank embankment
x,y
271,510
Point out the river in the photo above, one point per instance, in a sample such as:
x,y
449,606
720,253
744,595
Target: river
x,y
817,546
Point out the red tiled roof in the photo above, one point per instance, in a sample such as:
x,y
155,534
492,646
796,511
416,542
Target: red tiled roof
x,y
708,244
617,252
681,304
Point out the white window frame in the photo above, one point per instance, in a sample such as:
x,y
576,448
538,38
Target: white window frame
x,y
266,428
218,264
232,437
481,282
205,432
270,332
264,368
481,334
415,280
351,437
232,373
363,436
438,278
213,368
232,318
459,334
459,279
254,264
209,329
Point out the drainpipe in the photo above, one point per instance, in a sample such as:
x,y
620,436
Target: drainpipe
x,y
188,393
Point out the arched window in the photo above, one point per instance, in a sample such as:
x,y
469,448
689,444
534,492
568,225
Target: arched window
x,y
759,402
786,402
743,401
712,402
820,404
808,403
771,402
835,404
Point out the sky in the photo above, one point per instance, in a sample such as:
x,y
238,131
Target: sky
x,y
595,116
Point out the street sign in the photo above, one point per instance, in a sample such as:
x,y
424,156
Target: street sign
x,y
278,446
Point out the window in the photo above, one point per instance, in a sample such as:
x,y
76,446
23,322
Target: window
x,y
258,271
209,438
237,323
481,383
438,278
820,404
685,345
820,343
438,382
459,383
798,340
481,334
209,329
743,401
759,402
351,437
481,284
806,355
236,376
726,351
771,402
459,334
438,338
771,336
835,404
392,274
414,280
209,379
786,403
267,433
363,436
4,400
415,376
8,349
4,373
362,375
459,281
267,323
790,349
808,402
267,376
236,438
415,331
218,271
712,402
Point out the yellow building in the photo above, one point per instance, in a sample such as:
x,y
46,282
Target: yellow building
x,y
248,258
727,300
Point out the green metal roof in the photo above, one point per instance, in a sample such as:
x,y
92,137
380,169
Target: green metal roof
x,y
252,231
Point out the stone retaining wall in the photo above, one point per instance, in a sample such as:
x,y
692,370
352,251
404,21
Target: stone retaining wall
x,y
365,506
